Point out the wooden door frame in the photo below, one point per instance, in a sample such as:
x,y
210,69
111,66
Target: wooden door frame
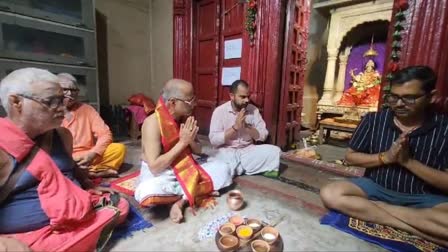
x,y
261,63
285,139
212,102
183,39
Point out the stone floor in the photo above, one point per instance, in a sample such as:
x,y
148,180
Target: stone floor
x,y
266,199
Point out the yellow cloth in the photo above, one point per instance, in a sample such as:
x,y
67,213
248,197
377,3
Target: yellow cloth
x,y
89,131
112,158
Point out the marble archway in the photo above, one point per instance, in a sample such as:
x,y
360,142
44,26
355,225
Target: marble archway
x,y
343,20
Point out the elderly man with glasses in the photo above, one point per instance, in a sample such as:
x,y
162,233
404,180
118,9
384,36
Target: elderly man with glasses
x,y
44,202
169,173
404,150
92,138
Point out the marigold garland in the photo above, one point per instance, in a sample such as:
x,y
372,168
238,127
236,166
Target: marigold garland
x,y
400,20
251,16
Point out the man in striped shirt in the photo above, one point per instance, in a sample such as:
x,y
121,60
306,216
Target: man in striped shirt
x,y
405,152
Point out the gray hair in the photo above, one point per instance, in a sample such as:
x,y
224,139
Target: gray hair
x,y
20,82
67,78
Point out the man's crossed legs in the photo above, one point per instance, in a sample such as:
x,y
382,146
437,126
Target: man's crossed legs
x,y
423,215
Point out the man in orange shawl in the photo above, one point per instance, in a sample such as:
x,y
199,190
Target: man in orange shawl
x,y
92,138
169,174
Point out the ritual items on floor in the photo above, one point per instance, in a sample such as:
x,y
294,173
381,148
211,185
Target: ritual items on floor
x,y
209,230
236,220
313,140
307,153
254,224
235,200
259,245
250,234
244,232
227,229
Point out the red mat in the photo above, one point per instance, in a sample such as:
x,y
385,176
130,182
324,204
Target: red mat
x,y
126,184
347,171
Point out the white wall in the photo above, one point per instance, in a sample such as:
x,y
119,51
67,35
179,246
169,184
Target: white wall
x,y
128,48
140,46
161,44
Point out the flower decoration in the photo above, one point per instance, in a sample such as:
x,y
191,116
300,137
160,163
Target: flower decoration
x,y
393,66
403,4
400,20
251,16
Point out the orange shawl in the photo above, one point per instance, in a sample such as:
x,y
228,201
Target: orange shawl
x,y
195,182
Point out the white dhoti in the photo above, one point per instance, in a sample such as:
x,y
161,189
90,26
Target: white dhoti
x,y
165,189
249,160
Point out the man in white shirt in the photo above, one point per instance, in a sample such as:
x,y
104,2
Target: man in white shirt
x,y
234,128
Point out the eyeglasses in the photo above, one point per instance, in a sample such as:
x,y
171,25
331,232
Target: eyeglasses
x,y
73,90
407,99
51,102
190,102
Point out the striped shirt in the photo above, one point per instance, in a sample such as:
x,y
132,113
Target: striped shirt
x,y
427,144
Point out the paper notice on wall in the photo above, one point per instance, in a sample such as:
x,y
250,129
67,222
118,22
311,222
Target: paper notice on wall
x,y
229,75
232,48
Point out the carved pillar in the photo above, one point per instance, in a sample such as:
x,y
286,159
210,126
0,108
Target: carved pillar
x,y
327,97
343,57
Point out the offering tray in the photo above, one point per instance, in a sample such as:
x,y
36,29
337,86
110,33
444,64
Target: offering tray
x,y
277,246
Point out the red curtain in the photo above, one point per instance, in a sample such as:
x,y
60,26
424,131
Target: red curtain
x,y
425,40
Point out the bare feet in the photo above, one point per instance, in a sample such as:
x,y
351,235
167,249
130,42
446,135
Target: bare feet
x,y
389,209
104,174
176,212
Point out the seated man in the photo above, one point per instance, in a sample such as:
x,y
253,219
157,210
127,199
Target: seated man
x,y
404,150
39,206
169,174
92,138
234,127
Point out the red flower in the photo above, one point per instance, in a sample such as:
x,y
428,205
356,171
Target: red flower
x,y
393,67
252,4
403,4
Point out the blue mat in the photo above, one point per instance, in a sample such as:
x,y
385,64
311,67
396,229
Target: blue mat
x,y
134,222
387,237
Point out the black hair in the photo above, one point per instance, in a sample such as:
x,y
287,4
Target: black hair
x,y
236,84
424,74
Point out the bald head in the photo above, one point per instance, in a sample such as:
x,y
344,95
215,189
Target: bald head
x,y
177,88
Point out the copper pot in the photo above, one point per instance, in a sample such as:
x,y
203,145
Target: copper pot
x,y
235,200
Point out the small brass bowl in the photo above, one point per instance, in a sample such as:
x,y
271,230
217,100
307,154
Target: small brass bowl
x,y
244,232
228,242
260,246
254,224
227,229
269,234
235,200
236,220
